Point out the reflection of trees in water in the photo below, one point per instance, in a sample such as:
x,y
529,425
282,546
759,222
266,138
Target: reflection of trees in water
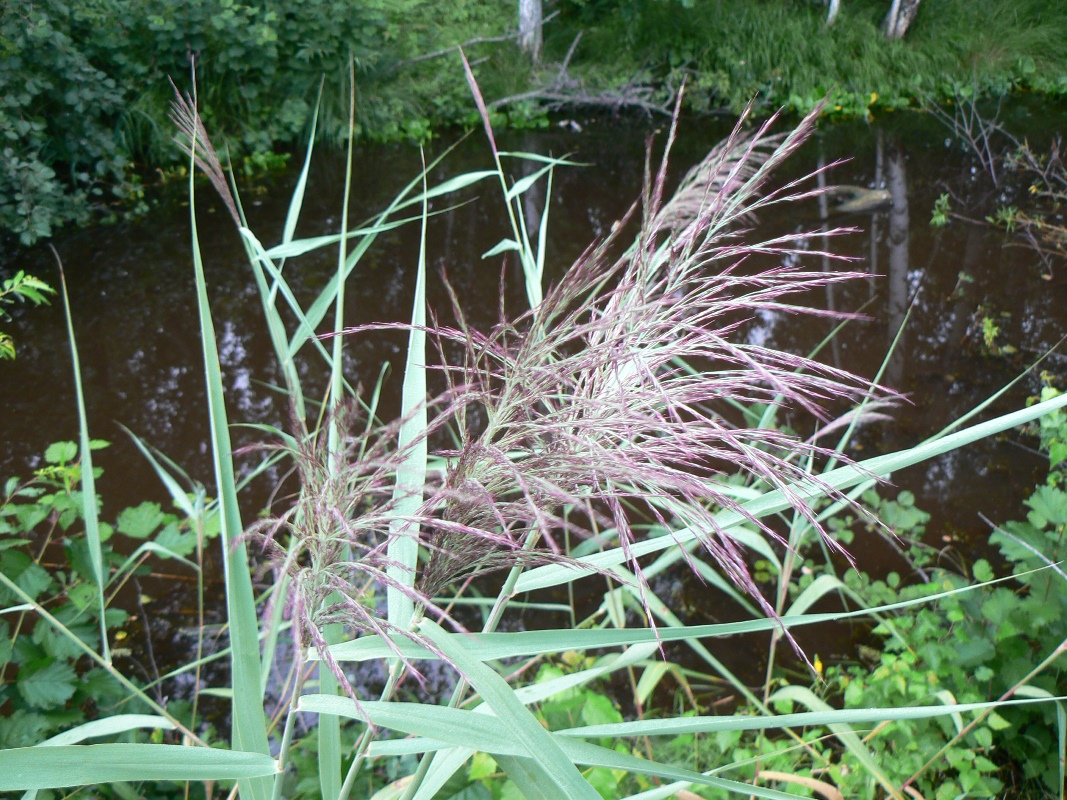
x,y
898,237
826,246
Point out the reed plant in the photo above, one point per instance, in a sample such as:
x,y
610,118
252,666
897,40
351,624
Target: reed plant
x,y
617,428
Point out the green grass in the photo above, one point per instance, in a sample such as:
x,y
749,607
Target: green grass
x,y
733,50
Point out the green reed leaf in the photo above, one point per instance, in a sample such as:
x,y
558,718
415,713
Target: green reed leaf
x,y
84,765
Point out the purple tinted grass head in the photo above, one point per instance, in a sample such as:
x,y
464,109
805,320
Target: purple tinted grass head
x,y
333,551
590,403
193,140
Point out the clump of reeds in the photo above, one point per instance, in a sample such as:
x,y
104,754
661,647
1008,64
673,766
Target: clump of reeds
x,y
602,404
586,404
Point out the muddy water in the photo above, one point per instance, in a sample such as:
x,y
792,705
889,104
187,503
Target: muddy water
x,y
132,301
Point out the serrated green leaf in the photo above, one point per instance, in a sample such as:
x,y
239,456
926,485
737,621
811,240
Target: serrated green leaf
x,y
172,540
23,728
34,580
61,452
58,644
140,522
982,571
47,683
1050,504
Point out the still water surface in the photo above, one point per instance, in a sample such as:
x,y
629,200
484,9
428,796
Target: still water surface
x,y
133,306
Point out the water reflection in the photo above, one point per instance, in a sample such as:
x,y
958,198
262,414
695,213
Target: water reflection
x,y
898,279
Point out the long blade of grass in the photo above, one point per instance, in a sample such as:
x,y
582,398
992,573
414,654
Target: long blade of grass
x,y
452,725
275,326
90,514
249,721
150,547
560,777
496,646
839,479
297,201
330,780
542,231
84,765
108,727
403,549
803,719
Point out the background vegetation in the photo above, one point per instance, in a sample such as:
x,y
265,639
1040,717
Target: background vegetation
x,y
85,84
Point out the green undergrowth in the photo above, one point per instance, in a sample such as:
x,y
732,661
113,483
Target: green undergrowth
x,y
47,681
973,648
781,51
1005,639
84,127
86,88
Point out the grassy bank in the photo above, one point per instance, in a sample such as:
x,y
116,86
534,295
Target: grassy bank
x,y
783,52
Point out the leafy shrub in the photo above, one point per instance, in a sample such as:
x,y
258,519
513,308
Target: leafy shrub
x,y
48,682
19,287
85,87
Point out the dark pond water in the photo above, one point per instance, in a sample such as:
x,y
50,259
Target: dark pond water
x,y
132,300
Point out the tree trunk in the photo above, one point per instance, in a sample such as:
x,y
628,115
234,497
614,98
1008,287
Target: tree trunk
x,y
900,16
835,6
530,28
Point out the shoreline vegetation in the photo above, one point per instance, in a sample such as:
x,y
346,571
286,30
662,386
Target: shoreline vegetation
x,y
585,435
87,84
615,428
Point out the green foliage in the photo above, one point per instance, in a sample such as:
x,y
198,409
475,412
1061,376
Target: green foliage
x,y
20,287
975,647
782,51
86,88
939,217
48,684
1000,640
86,84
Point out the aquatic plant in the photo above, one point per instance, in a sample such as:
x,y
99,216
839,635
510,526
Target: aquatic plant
x,y
619,409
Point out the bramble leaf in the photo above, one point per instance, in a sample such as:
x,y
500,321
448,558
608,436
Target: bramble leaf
x,y
61,452
140,522
47,683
